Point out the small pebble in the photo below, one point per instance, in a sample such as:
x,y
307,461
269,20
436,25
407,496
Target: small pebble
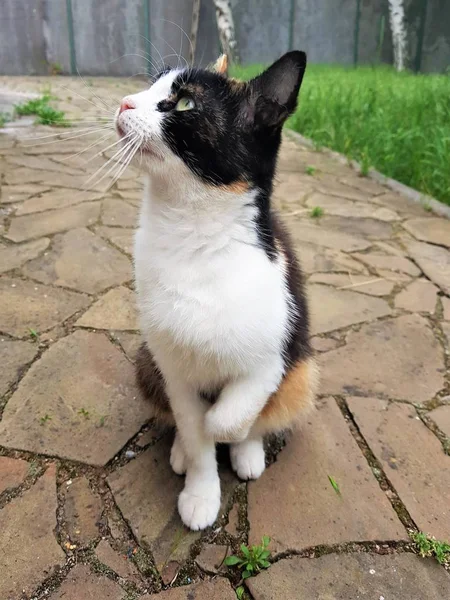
x,y
69,482
130,454
372,571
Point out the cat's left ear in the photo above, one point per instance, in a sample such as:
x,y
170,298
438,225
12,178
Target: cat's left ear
x,y
221,65
273,94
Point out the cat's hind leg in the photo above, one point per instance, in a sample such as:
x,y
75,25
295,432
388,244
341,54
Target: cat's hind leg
x,y
248,458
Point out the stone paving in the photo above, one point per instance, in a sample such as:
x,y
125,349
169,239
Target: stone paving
x,y
87,497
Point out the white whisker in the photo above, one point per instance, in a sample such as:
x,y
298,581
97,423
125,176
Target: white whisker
x,y
121,151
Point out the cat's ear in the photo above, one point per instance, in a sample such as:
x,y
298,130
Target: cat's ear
x,y
273,94
221,65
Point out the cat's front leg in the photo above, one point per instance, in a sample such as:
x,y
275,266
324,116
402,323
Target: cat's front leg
x,y
199,502
231,418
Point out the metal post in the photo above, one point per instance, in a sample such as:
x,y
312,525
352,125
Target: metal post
x,y
356,38
421,35
148,44
70,27
292,24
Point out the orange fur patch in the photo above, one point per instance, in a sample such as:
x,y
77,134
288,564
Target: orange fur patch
x,y
237,187
293,400
221,65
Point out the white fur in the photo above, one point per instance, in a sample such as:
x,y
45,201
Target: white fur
x,y
214,311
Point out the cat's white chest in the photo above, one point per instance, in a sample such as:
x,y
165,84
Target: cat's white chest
x,y
216,309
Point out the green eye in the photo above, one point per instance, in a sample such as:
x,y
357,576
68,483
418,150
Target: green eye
x,y
185,104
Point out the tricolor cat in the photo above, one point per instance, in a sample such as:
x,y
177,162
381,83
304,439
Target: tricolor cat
x,y
226,354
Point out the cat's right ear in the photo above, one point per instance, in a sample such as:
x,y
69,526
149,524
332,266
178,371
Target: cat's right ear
x,y
273,94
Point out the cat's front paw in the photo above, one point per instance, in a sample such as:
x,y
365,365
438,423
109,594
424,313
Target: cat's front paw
x,y
199,511
248,459
224,428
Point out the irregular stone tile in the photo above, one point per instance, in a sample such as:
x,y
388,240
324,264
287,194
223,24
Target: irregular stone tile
x,y
390,247
390,263
13,257
82,511
441,416
147,438
28,547
82,584
130,342
116,562
119,213
53,179
315,234
294,503
13,358
317,258
400,204
22,175
67,147
11,194
395,358
399,278
147,486
132,195
370,228
170,572
41,162
418,296
324,344
434,262
446,306
433,230
413,459
55,199
211,557
122,238
12,472
25,305
130,184
333,309
216,589
97,265
329,185
366,185
353,577
446,330
115,310
333,205
365,284
54,221
291,190
86,388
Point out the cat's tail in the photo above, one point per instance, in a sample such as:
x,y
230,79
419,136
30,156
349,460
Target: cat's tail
x,y
152,385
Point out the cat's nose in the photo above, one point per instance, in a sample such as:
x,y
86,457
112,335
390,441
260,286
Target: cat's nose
x,y
126,104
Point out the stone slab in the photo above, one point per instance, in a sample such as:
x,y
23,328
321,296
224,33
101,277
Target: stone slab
x,y
79,401
217,589
55,199
121,237
441,416
364,284
434,262
82,511
97,265
118,563
355,576
115,310
12,472
147,486
11,194
28,547
82,584
315,258
25,305
446,307
391,263
212,556
346,208
118,213
395,358
418,296
324,344
333,309
54,221
413,459
13,257
14,356
372,229
314,234
295,504
433,230
130,342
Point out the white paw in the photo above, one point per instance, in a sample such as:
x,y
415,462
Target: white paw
x,y
198,512
177,457
248,459
224,428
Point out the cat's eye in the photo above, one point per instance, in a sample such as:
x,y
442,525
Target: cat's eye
x,y
184,104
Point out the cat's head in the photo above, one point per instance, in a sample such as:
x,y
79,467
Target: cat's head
x,y
225,131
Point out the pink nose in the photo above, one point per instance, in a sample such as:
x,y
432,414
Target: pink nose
x,y
126,104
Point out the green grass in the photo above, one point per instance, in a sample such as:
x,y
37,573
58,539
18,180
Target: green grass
x,y
398,123
429,546
316,212
45,114
251,559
